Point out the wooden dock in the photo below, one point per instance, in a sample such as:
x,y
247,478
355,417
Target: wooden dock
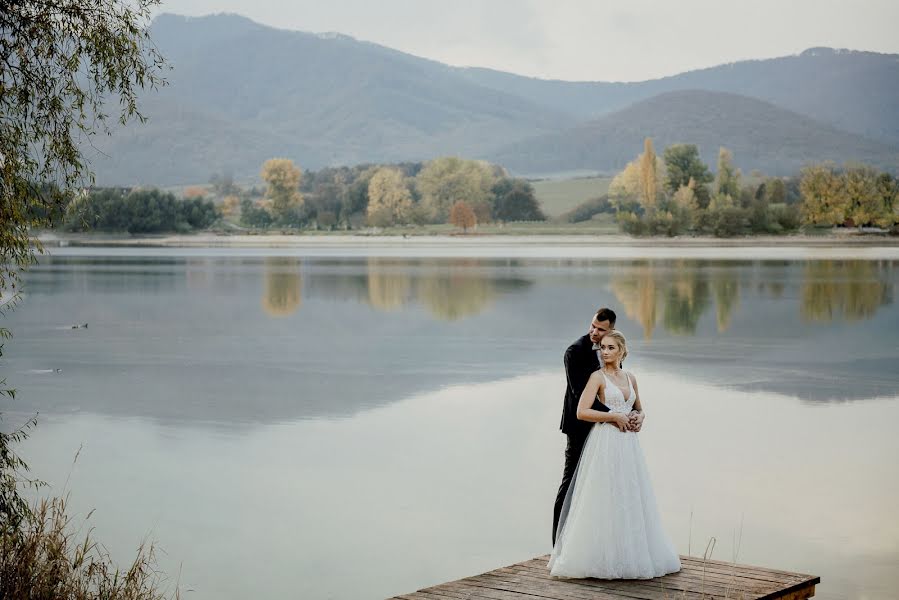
x,y
698,580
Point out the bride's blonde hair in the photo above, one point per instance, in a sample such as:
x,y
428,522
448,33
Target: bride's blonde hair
x,y
622,344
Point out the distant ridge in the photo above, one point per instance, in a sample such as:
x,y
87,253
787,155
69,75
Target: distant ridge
x,y
241,92
760,135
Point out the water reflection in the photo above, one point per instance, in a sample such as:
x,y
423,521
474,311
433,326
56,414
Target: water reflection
x,y
455,290
197,347
389,284
282,286
308,490
850,290
680,292
449,289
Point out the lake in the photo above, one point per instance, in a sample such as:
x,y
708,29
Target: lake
x,y
357,424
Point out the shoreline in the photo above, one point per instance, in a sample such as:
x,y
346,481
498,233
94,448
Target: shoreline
x,y
557,248
347,240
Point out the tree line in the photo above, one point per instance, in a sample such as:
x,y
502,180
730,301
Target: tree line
x,y
445,190
138,211
676,193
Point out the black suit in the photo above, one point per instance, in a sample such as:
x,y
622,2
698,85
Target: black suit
x,y
580,363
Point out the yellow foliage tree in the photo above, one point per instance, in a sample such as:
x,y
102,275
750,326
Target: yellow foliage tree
x,y
389,198
445,180
462,216
629,187
283,179
727,181
230,205
823,200
649,182
864,203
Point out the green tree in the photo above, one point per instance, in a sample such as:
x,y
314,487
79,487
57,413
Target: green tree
x,y
283,178
727,181
515,200
682,164
356,206
443,181
253,215
59,64
389,198
776,191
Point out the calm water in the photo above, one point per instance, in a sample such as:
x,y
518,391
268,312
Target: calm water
x,y
360,427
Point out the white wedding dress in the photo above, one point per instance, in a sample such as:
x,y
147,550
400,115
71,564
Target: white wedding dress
x,y
610,527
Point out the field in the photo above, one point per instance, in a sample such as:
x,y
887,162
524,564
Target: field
x,y
558,196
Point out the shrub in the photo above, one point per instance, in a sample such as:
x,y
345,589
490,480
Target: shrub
x,y
589,209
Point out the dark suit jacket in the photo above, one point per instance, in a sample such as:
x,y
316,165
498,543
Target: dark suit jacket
x,y
580,363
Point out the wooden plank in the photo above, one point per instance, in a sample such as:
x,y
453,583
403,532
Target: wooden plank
x,y
698,580
634,588
697,577
767,587
691,564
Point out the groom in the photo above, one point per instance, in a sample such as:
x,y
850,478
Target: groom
x,y
581,360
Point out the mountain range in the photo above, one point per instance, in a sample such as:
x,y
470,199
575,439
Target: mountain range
x,y
240,92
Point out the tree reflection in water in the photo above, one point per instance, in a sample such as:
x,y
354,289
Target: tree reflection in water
x,y
389,283
679,292
455,289
844,289
282,286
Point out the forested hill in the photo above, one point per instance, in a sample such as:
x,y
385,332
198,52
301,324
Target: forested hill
x,y
760,135
241,92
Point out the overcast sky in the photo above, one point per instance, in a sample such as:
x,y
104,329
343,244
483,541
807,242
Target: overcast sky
x,y
621,40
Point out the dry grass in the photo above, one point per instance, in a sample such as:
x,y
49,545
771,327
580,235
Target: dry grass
x,y
47,558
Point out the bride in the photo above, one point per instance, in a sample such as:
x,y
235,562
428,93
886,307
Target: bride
x,y
610,527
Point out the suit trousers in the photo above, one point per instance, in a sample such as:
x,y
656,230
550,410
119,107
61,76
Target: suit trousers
x,y
573,450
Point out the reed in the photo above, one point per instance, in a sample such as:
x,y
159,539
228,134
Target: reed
x,y
47,557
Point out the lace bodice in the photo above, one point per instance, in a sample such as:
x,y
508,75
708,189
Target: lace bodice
x,y
615,398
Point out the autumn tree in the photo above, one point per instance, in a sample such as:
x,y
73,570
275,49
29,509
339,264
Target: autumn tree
x,y
282,177
230,206
444,181
389,198
461,215
823,201
648,177
685,206
727,180
888,190
861,193
624,189
631,187
194,191
682,164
